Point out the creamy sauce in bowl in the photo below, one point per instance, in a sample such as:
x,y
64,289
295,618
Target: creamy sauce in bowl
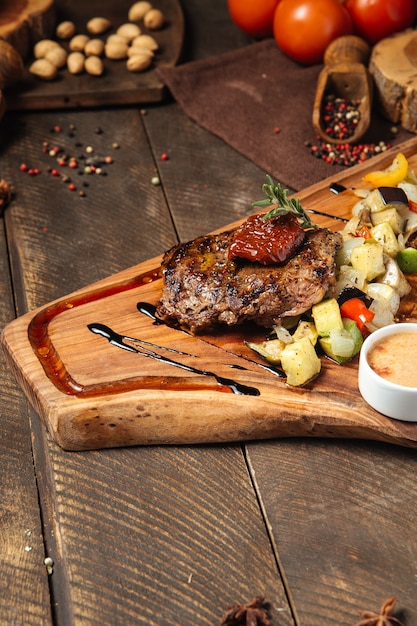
x,y
395,358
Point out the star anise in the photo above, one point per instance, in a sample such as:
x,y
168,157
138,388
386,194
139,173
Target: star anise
x,y
255,613
5,195
384,618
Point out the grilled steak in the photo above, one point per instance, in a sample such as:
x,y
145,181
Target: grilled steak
x,y
203,288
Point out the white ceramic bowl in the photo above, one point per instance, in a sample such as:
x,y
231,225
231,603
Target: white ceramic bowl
x,y
394,400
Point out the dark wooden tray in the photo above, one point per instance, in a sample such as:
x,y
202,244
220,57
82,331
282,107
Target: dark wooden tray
x,y
117,86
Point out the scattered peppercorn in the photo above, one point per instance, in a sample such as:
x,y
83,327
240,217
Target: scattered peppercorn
x,y
155,181
164,156
346,154
80,163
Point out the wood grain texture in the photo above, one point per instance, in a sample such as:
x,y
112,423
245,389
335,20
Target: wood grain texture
x,y
392,67
189,174
116,85
136,538
125,522
64,237
24,592
22,24
342,519
148,540
91,394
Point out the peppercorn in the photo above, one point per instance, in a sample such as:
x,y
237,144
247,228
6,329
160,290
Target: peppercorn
x,y
346,154
340,116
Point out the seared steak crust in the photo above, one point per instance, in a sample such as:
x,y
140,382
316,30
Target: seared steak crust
x,y
202,288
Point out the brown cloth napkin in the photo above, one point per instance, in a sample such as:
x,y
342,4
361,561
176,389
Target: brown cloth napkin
x,y
260,102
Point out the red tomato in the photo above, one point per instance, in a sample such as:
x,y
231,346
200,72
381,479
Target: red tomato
x,y
254,17
304,28
376,19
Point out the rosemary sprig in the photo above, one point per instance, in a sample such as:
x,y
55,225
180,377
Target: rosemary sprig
x,y
278,196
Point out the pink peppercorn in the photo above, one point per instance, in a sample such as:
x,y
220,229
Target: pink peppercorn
x,y
23,167
72,187
164,156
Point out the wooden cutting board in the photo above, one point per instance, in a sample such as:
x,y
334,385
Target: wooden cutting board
x,y
117,86
100,372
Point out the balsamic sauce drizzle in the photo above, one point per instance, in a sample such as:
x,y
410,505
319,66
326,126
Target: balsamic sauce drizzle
x,y
145,349
150,311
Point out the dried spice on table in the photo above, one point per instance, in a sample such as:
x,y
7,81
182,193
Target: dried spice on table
x,y
254,613
383,618
86,162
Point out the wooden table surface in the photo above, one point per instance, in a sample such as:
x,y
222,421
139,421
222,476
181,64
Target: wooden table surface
x,y
173,535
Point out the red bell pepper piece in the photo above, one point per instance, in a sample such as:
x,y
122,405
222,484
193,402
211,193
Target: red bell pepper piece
x,y
355,309
364,232
412,205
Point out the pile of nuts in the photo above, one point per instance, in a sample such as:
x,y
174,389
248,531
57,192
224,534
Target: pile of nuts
x,y
85,52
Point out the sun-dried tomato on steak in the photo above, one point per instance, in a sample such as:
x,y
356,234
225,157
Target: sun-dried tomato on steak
x,y
267,241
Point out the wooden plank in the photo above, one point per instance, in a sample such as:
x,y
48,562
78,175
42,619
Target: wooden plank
x,y
117,85
24,591
146,483
133,400
155,536
133,534
49,224
237,184
342,520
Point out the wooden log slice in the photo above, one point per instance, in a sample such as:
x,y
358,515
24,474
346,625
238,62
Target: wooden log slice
x,y
393,66
24,22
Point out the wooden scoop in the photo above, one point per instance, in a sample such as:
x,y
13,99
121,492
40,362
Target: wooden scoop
x,y
345,75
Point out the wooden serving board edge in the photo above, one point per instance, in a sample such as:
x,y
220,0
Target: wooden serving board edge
x,y
164,416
